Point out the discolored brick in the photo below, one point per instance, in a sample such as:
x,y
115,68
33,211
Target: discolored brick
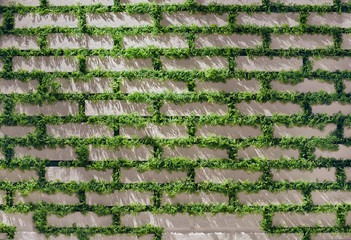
x,y
333,108
304,219
15,131
17,86
59,154
306,86
17,175
62,108
21,42
37,197
90,219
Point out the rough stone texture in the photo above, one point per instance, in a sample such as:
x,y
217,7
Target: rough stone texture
x,y
316,175
119,197
159,41
122,237
230,2
120,19
2,156
152,85
36,20
22,222
62,40
304,87
21,42
231,85
2,199
275,64
115,107
155,131
79,174
109,63
348,174
1,65
17,86
265,197
304,2
331,197
308,132
62,108
267,108
45,64
33,3
95,85
344,152
307,41
228,40
1,19
346,41
228,131
268,20
332,64
90,219
163,176
195,152
348,218
271,153
347,131
37,197
305,219
229,236
198,63
59,154
141,153
332,19
80,2
188,19
15,131
81,130
332,108
185,198
17,175
330,236
221,175
38,236
347,85
198,109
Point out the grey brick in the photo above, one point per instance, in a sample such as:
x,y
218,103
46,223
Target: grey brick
x,y
231,85
230,2
229,236
62,40
221,175
59,154
188,19
152,85
304,2
115,107
80,2
155,131
141,153
306,86
95,85
119,197
185,198
271,153
305,131
33,3
194,152
267,108
268,20
307,41
17,86
159,41
331,197
90,219
119,19
332,19
45,64
197,63
316,175
163,176
37,197
20,42
122,237
15,131
109,63
348,174
265,197
81,130
330,236
275,64
305,219
198,109
36,20
17,175
228,131
79,174
342,153
63,108
333,108
152,1
22,221
332,64
228,40
346,41
347,131
2,198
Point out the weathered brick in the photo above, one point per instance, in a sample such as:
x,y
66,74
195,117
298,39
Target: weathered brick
x,y
119,197
231,85
304,219
22,221
198,63
17,175
332,108
62,40
122,237
304,2
45,64
90,219
316,175
95,85
21,42
188,19
2,199
115,107
347,131
330,236
152,85
348,174
198,109
79,174
194,152
229,236
2,156
1,65
330,197
347,85
228,40
230,2
33,3
1,19
267,108
63,108
332,64
346,41
141,153
119,19
344,152
132,176
59,154
306,86
15,131
271,153
153,130
41,236
221,175
308,132
17,86
332,19
268,20
109,63
185,198
228,131
160,41
81,130
348,218
275,64
35,20
265,197
37,197
80,2
307,41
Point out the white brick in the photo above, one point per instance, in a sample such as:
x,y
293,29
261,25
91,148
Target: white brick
x,y
95,85
304,219
115,107
333,108
228,40
332,64
265,197
274,64
17,86
231,85
62,40
331,197
268,20
45,64
34,3
120,19
108,63
159,41
229,236
119,197
79,174
230,2
197,63
185,198
35,20
348,174
90,219
152,85
271,153
153,1
307,41
316,175
346,41
2,199
304,87
221,175
59,154
80,2
330,236
268,108
308,132
132,176
81,130
197,108
188,19
342,153
17,175
22,221
304,2
37,197
141,153
15,131
63,108
122,237
21,42
228,131
155,131
194,152
332,19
